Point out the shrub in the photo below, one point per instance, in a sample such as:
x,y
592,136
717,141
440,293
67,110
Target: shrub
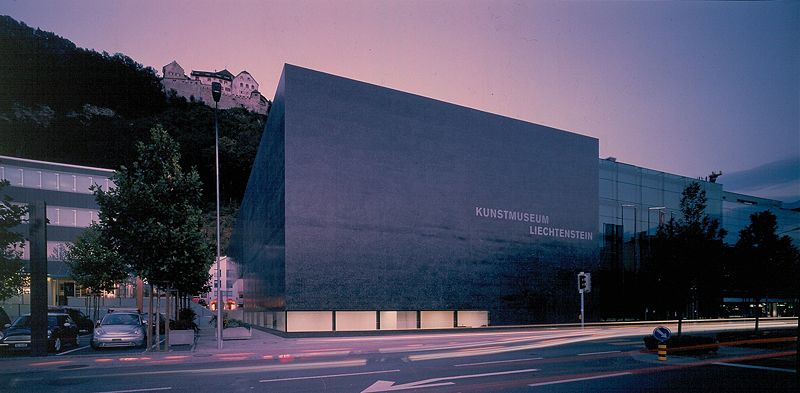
x,y
185,320
685,344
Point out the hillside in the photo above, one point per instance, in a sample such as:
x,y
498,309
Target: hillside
x,y
62,103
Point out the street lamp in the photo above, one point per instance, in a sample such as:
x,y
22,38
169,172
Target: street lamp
x,y
216,91
659,208
635,209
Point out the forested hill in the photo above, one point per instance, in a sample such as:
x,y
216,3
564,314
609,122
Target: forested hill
x,y
62,103
41,68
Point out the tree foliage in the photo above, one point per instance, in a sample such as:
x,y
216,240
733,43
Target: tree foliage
x,y
685,262
766,264
94,264
153,217
12,275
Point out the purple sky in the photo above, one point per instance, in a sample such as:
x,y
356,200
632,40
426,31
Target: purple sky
x,y
683,87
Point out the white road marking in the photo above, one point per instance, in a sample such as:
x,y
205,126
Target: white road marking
x,y
496,362
158,344
580,379
621,343
137,390
329,376
387,386
756,367
597,353
71,350
230,370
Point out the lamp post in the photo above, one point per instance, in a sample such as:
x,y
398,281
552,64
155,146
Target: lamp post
x,y
635,261
216,91
659,208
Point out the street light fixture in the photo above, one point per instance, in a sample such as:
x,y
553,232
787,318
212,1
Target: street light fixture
x,y
659,208
635,235
216,92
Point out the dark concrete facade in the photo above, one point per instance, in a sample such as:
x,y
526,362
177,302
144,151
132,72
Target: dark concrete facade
x,y
367,198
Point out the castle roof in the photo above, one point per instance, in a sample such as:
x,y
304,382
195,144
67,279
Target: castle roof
x,y
224,74
251,75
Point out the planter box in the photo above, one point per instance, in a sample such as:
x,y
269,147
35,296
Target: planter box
x,y
181,337
237,333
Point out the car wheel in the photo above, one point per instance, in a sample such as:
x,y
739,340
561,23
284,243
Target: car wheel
x,y
57,347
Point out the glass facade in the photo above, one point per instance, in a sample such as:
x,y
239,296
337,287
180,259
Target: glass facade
x,y
737,209
71,208
66,180
635,200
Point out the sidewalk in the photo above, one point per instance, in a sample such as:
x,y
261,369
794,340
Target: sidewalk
x,y
206,341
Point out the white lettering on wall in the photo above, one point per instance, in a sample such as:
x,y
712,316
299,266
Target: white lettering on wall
x,y
544,229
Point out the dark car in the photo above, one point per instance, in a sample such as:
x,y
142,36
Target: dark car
x,y
4,319
61,331
85,324
161,319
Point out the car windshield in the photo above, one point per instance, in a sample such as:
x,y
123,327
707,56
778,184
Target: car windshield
x,y
25,321
120,319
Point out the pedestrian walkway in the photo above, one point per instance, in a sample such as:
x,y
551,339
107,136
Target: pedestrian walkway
x,y
206,341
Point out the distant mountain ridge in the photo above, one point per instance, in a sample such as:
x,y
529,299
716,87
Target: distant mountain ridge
x,y
778,180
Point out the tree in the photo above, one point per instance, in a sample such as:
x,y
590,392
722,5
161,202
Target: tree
x,y
94,265
12,274
152,218
766,264
685,260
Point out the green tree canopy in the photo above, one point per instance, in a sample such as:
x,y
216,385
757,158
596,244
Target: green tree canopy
x,y
766,263
685,261
153,217
12,275
95,265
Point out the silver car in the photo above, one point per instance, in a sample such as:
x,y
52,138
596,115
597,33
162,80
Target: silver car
x,y
120,329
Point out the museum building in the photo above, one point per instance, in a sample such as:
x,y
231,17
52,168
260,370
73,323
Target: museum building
x,y
369,208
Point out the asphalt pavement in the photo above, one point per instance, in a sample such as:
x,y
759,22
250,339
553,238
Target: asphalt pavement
x,y
606,358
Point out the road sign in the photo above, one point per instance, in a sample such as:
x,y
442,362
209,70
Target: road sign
x,y
662,333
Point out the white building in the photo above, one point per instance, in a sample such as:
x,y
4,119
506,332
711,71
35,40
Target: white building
x,y
232,294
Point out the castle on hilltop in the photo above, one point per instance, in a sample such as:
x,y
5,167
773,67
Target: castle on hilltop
x,y
240,91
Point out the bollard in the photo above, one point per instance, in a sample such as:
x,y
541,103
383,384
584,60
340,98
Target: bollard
x,y
662,351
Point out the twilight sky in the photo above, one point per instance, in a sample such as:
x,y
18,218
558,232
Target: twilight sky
x,y
683,87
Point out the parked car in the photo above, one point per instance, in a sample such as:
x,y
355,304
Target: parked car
x,y
161,322
124,309
61,331
85,324
4,319
119,329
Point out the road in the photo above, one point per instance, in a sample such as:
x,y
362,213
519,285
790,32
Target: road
x,y
524,360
